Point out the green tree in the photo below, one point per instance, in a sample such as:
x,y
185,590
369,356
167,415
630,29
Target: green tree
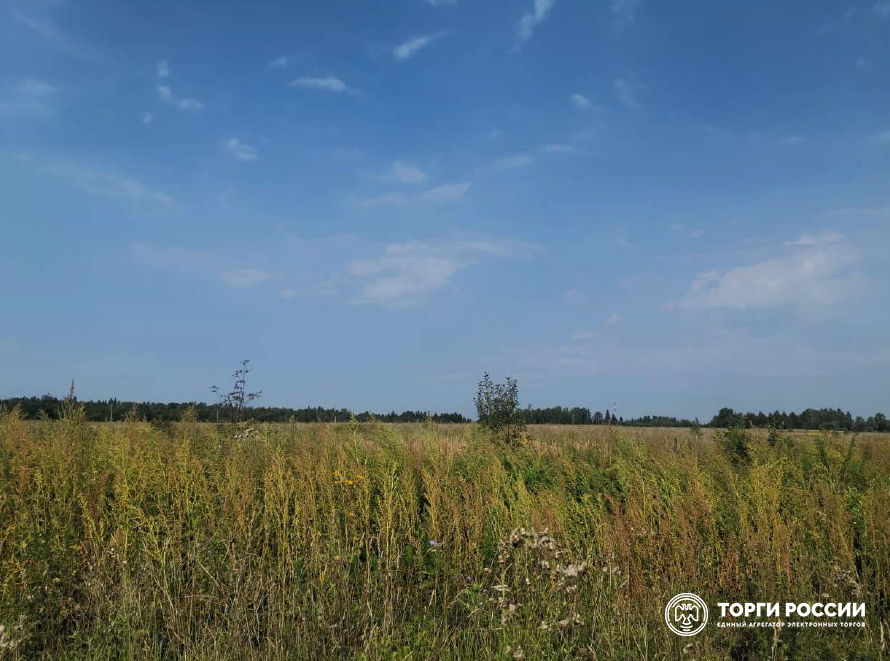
x,y
497,407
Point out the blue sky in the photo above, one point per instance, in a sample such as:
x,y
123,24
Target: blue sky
x,y
671,206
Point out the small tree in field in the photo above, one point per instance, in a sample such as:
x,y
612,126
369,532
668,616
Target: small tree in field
x,y
497,407
234,402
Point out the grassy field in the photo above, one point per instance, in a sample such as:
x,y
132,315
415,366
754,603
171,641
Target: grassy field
x,y
191,541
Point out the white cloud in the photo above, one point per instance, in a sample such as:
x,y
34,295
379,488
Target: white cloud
x,y
822,240
390,199
50,31
814,279
532,19
403,172
30,96
410,47
790,141
861,63
397,279
515,161
580,101
882,9
406,271
162,69
558,148
279,62
446,192
439,3
882,138
583,336
147,118
244,278
613,319
328,84
102,182
172,258
624,12
240,150
443,193
182,103
626,93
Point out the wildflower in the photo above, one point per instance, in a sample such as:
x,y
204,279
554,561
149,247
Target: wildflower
x,y
574,619
573,570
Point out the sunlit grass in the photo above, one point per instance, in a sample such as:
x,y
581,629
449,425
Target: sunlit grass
x,y
128,541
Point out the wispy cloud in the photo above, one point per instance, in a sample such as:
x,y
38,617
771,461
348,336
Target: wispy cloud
x,y
407,49
583,336
627,93
28,97
613,319
439,3
438,194
50,31
240,150
882,9
387,199
163,70
580,101
97,181
327,84
558,148
882,138
405,272
513,162
532,19
624,12
446,192
403,172
279,62
172,258
244,278
824,239
182,103
814,280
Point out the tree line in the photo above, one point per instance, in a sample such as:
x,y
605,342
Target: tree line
x,y
830,419
113,409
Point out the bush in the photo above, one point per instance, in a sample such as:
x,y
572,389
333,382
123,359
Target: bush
x,y
734,443
497,406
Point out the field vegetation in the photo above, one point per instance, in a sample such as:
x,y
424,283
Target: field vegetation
x,y
190,540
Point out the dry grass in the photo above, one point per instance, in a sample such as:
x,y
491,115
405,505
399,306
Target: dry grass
x,y
132,541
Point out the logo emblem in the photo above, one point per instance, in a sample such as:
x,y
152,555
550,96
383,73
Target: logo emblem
x,y
686,614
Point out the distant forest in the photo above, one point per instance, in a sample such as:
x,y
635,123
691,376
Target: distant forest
x,y
112,409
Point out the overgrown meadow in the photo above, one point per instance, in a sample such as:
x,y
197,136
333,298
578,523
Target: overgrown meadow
x,y
195,541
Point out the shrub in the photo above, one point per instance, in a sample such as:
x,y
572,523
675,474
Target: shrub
x,y
497,406
734,442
